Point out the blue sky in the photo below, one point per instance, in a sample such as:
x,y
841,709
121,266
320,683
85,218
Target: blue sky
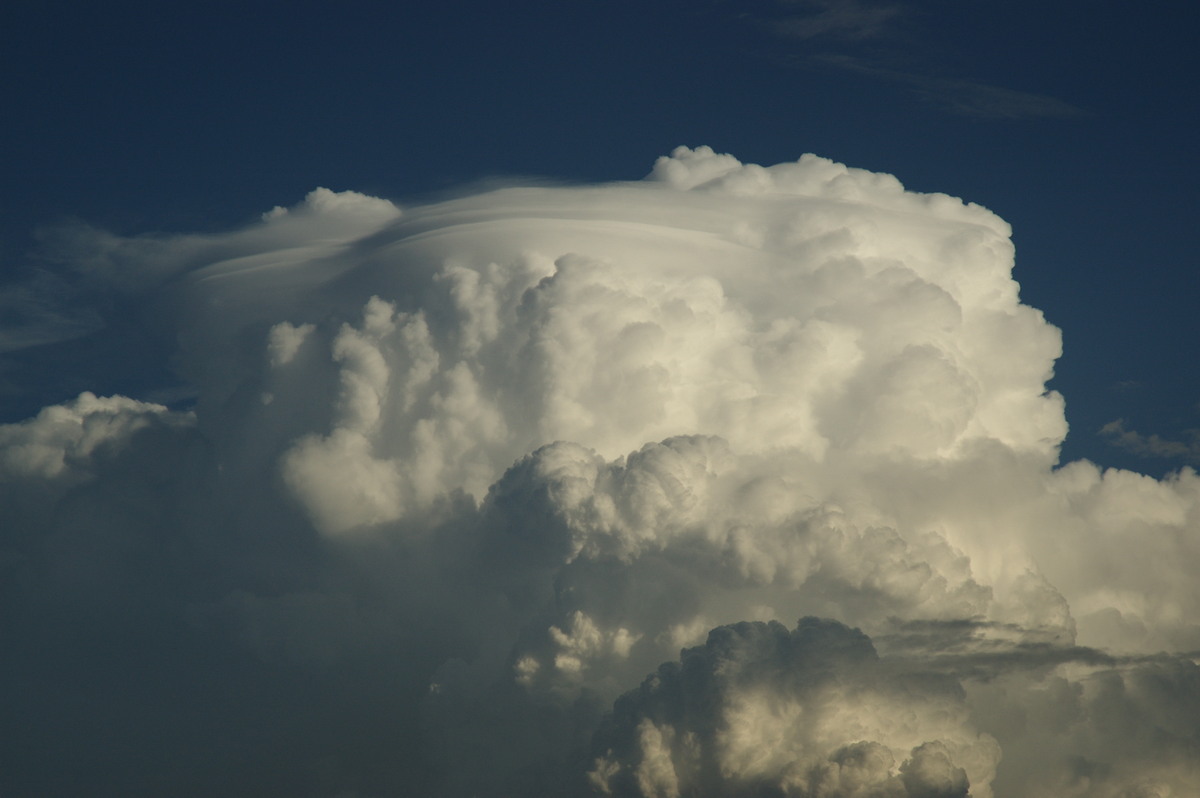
x,y
1074,122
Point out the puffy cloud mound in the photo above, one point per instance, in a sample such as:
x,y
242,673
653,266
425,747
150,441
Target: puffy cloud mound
x,y
812,712
69,441
452,479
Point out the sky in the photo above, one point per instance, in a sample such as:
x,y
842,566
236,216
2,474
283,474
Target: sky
x,y
599,398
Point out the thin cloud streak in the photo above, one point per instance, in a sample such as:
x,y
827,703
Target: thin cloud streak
x,y
839,19
879,41
964,97
1153,445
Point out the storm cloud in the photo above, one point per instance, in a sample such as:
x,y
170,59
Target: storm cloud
x,y
736,480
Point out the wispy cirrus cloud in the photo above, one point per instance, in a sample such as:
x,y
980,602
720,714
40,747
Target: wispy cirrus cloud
x,y
839,19
883,41
959,95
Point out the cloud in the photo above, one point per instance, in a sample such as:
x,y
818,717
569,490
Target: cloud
x,y
65,442
847,19
958,95
1106,731
458,482
883,42
1153,445
811,712
33,314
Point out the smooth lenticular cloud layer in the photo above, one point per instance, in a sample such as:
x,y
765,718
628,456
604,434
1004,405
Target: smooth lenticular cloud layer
x,y
536,484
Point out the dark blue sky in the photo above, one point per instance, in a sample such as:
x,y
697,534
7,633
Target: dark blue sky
x,y
1073,121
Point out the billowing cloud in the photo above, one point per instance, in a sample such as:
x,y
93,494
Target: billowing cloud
x,y
66,442
461,481
759,710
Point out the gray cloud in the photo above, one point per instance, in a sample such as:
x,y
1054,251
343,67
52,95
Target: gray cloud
x,y
1152,445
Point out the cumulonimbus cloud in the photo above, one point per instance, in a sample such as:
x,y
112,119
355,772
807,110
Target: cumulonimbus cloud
x,y
480,466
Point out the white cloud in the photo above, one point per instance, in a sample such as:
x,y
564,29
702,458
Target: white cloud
x,y
65,441
482,465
